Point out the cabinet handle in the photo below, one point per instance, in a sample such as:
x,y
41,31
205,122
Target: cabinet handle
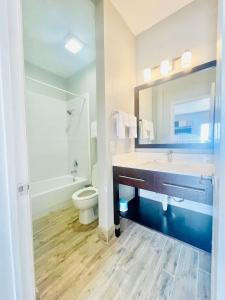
x,y
206,178
127,177
183,187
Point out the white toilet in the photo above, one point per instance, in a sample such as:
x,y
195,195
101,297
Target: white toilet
x,y
86,200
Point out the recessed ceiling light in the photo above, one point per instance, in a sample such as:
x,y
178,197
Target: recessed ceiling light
x,y
73,45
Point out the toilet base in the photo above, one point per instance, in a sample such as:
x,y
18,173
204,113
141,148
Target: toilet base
x,y
87,216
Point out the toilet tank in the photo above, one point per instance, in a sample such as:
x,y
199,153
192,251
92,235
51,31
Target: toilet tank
x,y
94,175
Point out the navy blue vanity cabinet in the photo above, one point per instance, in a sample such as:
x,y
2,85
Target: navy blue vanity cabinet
x,y
141,179
198,189
193,188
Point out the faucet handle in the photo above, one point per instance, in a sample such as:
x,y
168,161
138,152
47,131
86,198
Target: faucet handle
x,y
75,164
170,155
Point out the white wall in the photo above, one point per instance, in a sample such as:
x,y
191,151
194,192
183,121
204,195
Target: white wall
x,y
84,82
193,27
46,123
78,136
115,93
52,150
119,72
40,74
47,137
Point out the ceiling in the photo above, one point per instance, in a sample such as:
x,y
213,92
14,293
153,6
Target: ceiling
x,y
143,14
47,23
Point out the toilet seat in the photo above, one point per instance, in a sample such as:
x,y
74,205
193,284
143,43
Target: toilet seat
x,y
88,193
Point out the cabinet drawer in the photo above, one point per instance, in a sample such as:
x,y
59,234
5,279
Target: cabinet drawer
x,y
137,178
187,187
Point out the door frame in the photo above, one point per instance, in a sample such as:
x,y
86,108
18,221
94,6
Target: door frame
x,y
17,243
218,258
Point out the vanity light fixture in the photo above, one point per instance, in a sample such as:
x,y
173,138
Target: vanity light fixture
x,y
73,45
147,74
186,59
165,67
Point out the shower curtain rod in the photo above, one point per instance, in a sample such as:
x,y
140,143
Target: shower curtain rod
x,y
55,87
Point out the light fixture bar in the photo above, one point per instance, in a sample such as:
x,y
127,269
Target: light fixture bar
x,y
166,66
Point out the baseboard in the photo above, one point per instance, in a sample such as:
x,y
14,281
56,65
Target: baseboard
x,y
106,235
37,294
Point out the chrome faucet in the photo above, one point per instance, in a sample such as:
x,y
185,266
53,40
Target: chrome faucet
x,y
170,156
75,166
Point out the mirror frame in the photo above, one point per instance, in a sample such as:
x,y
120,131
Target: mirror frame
x,y
208,65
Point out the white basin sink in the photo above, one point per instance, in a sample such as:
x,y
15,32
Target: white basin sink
x,y
169,166
179,168
164,164
175,167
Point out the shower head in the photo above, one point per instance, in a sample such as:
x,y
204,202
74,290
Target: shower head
x,y
69,112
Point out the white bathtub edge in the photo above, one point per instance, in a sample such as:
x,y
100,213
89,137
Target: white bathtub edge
x,y
55,198
51,209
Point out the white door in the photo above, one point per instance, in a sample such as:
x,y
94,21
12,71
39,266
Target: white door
x,y
16,250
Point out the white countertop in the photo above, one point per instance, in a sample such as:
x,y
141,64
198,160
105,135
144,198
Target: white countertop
x,y
174,167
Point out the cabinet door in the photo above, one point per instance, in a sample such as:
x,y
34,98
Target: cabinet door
x,y
187,187
137,178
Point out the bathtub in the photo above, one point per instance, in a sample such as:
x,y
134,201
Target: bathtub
x,y
52,194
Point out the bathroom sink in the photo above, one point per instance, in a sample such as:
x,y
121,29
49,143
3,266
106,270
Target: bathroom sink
x,y
179,167
175,167
165,165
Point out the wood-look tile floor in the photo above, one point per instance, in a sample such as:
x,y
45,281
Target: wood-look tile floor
x,y
72,263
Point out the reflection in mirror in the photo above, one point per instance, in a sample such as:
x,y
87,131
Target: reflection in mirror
x,y
179,111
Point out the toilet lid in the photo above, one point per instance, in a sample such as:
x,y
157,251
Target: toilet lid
x,y
85,194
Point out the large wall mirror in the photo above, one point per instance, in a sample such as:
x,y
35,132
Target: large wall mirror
x,y
177,112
